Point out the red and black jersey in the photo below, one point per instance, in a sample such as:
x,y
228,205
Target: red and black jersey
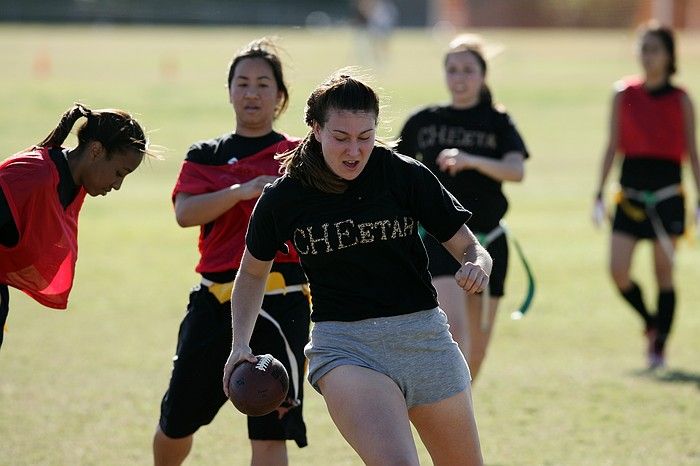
x,y
651,122
651,134
42,262
216,164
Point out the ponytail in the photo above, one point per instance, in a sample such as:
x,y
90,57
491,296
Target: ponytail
x,y
61,132
115,129
485,96
305,163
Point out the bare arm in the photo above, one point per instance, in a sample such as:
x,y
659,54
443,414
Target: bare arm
x,y
473,275
611,148
199,209
689,120
246,300
510,168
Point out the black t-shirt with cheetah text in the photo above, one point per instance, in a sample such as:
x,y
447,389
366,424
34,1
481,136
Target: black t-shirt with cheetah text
x,y
480,130
360,249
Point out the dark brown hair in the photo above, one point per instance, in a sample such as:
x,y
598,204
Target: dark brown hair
x,y
266,49
115,129
305,162
665,35
472,43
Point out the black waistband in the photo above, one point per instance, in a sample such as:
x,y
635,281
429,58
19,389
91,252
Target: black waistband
x,y
220,277
291,271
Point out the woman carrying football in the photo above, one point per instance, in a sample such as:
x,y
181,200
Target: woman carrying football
x,y
380,353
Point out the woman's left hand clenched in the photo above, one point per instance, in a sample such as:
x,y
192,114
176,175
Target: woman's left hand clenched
x,y
472,278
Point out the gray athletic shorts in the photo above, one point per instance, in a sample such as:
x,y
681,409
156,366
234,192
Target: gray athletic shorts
x,y
415,350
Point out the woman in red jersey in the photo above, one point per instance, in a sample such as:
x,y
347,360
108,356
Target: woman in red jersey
x,y
653,126
216,190
42,189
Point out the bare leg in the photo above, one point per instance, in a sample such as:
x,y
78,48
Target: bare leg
x,y
269,453
479,335
663,266
370,412
448,430
454,302
170,451
621,249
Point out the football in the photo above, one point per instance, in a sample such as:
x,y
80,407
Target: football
x,y
257,389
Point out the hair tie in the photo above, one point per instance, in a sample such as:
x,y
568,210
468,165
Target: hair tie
x,y
84,111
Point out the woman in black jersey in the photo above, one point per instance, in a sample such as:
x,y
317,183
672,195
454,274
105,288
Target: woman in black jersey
x,y
472,147
216,190
42,189
380,353
652,125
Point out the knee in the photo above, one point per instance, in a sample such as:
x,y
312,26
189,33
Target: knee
x,y
266,447
620,276
170,451
269,452
399,460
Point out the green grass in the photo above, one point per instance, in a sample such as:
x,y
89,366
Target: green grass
x,y
562,387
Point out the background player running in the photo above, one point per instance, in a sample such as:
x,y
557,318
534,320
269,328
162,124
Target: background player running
x,y
472,147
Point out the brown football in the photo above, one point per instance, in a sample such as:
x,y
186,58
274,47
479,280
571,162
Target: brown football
x,y
257,389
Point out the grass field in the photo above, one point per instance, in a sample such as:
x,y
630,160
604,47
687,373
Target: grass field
x,y
564,386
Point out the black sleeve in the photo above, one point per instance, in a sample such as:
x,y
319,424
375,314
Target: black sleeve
x,y
200,152
508,137
263,238
437,210
407,144
9,236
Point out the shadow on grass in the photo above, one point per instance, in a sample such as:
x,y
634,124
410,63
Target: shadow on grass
x,y
675,376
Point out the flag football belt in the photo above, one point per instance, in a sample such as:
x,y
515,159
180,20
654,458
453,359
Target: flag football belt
x,y
275,285
649,200
486,239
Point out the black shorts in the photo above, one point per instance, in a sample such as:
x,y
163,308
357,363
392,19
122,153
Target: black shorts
x,y
441,263
195,394
671,212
